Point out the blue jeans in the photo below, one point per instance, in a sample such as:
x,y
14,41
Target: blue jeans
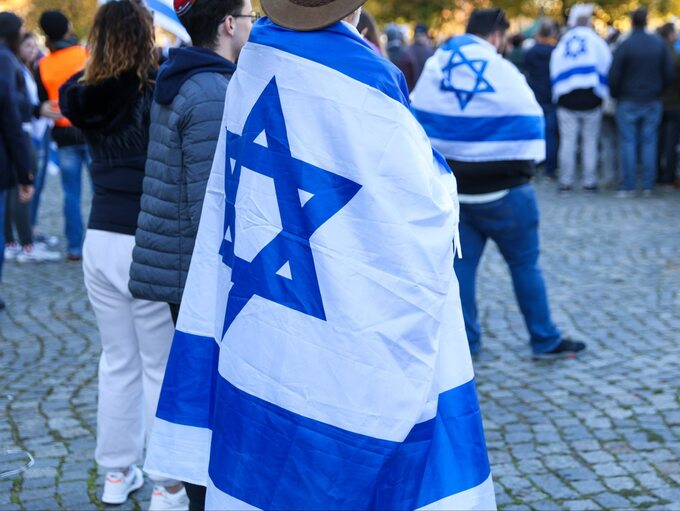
x,y
511,222
3,201
42,155
638,126
551,141
71,161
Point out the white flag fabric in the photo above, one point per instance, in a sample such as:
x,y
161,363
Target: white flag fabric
x,y
164,16
320,359
476,106
581,60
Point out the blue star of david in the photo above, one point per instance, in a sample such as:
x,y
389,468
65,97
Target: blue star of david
x,y
307,197
574,47
476,66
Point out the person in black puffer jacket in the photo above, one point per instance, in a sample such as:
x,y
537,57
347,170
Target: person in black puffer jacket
x,y
110,103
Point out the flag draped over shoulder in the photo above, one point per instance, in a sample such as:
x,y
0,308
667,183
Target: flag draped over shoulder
x,y
581,60
476,106
320,359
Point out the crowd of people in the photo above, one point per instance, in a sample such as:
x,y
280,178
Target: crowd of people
x,y
612,100
168,147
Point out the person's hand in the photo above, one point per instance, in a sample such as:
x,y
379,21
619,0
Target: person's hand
x,y
26,193
50,111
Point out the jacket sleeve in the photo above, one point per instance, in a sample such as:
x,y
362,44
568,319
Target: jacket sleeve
x,y
42,93
199,131
13,136
616,71
9,70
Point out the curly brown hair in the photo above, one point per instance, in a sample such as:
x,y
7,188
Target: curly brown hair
x,y
121,40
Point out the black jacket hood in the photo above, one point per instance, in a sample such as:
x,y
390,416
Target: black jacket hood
x,y
99,106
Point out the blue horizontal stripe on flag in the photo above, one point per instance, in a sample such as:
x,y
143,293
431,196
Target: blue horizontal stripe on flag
x,y
273,458
507,128
348,54
187,397
582,70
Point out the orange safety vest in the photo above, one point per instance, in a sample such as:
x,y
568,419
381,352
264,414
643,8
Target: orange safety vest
x,y
56,68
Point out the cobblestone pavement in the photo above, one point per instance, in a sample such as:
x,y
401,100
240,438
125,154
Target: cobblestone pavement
x,y
598,432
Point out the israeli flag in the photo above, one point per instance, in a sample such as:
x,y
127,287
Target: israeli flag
x,y
581,60
476,106
164,16
320,360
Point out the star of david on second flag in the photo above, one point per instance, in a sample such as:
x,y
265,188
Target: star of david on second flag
x,y
474,66
307,197
574,47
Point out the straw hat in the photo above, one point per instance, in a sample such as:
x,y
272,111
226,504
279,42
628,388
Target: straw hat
x,y
307,15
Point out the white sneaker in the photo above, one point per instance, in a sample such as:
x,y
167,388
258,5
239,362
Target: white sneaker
x,y
118,485
163,500
12,251
37,254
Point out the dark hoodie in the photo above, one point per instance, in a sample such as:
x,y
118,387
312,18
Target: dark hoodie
x,y
113,115
184,63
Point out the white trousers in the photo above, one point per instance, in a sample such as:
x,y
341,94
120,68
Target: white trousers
x,y
136,336
575,124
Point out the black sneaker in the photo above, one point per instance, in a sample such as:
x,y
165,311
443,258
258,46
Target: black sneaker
x,y
2,304
566,348
564,189
590,189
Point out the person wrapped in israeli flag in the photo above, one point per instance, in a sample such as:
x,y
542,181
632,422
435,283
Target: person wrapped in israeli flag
x,y
320,359
479,111
581,59
578,69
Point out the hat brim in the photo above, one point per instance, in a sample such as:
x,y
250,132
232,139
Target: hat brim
x,y
296,17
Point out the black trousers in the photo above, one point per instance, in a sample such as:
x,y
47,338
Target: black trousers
x,y
195,492
18,216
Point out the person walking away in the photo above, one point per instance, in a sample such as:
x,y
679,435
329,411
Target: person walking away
x,y
322,279
65,59
109,102
641,70
537,70
670,123
186,116
16,161
491,132
22,247
413,60
578,69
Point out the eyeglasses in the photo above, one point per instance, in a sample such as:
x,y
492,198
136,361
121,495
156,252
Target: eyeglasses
x,y
254,16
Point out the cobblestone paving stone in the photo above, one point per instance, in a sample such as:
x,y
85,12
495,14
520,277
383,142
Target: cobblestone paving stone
x,y
598,432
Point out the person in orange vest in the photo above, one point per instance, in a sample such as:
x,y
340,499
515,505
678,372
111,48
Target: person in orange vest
x,y
66,58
